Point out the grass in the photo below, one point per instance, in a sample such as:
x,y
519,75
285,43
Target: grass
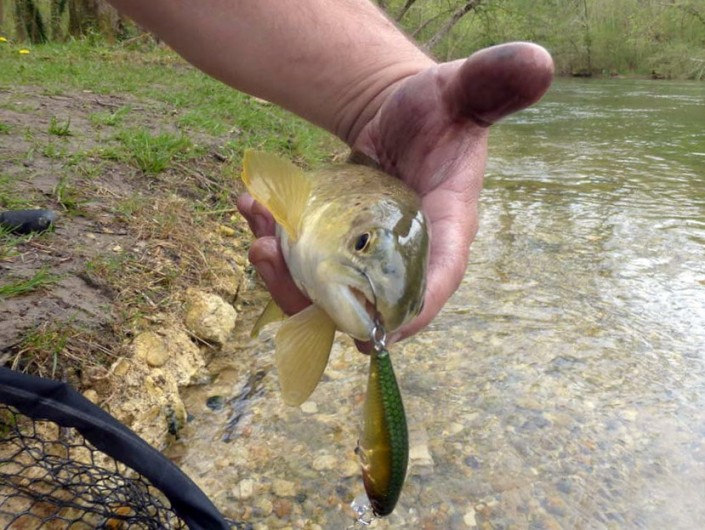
x,y
41,279
111,118
60,128
153,153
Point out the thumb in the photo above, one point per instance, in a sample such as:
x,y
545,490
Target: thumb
x,y
498,81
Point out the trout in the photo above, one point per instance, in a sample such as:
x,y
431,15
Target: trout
x,y
356,243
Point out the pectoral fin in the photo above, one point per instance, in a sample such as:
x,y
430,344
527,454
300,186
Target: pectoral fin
x,y
271,313
303,345
279,186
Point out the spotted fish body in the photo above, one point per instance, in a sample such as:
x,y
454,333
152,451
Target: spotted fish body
x,y
384,446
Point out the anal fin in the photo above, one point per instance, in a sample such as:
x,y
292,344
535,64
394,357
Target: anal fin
x,y
303,345
272,313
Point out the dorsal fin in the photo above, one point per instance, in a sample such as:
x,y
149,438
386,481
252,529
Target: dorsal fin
x,y
279,186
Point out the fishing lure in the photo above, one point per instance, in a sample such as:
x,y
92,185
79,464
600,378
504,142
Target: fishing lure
x,y
384,446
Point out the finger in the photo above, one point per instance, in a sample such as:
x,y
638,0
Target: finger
x,y
265,255
497,81
260,220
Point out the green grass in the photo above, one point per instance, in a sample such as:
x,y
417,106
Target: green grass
x,y
10,197
153,153
4,128
58,128
200,104
111,119
41,279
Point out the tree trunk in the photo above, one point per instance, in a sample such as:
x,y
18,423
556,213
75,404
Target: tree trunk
x,y
587,36
86,16
57,10
407,5
459,13
28,22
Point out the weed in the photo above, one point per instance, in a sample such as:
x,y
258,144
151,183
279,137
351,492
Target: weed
x,y
59,129
154,153
52,150
132,205
42,278
41,347
111,119
68,196
10,198
4,128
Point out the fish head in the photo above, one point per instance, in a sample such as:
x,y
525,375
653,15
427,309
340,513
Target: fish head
x,y
380,273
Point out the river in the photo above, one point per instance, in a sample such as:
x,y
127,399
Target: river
x,y
563,386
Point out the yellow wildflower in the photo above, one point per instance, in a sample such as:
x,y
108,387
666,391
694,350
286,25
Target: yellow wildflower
x,y
3,39
24,51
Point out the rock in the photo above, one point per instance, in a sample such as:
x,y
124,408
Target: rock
x,y
120,367
283,488
324,462
209,317
282,508
171,348
245,489
91,395
150,347
309,407
469,518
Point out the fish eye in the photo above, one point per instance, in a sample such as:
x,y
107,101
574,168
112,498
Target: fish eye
x,y
362,242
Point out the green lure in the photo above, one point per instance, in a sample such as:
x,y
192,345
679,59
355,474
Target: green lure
x,y
384,447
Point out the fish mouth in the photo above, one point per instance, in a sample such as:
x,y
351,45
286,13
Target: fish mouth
x,y
366,302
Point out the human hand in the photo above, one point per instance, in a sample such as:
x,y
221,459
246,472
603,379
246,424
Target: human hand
x,y
431,132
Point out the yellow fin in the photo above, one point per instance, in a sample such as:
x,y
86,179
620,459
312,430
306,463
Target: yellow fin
x,y
279,186
271,313
303,345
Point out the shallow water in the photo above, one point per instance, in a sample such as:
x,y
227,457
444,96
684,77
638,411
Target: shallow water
x,y
563,386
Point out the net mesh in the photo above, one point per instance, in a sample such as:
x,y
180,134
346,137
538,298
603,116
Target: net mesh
x,y
53,478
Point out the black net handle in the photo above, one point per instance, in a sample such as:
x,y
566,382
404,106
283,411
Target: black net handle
x,y
41,398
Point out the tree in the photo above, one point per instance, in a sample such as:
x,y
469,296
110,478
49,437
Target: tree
x,y
459,13
28,22
93,16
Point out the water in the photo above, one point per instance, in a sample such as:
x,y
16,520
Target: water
x,y
563,386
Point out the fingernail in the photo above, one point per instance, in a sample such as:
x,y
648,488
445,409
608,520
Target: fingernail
x,y
264,268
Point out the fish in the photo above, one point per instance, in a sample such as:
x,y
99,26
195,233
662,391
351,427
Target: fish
x,y
356,241
384,447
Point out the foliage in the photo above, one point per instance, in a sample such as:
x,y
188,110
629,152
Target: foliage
x,y
584,36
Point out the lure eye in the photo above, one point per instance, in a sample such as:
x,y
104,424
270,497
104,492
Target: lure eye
x,y
362,242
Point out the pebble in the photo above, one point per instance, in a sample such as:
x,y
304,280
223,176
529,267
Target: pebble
x,y
91,395
150,347
282,508
283,488
309,407
264,506
245,489
324,462
469,518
